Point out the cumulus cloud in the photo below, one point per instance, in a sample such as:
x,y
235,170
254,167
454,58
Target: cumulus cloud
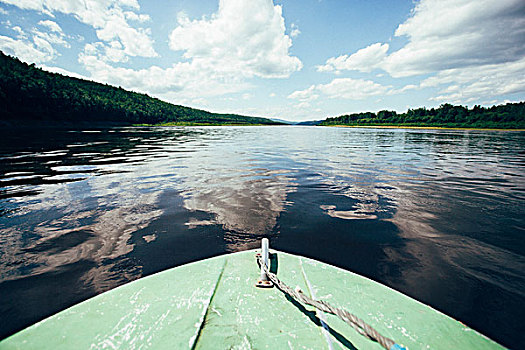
x,y
303,105
20,32
52,26
243,37
52,36
132,16
352,89
64,72
470,84
107,17
242,40
475,47
446,34
364,60
343,88
28,51
105,52
183,81
294,30
37,46
304,95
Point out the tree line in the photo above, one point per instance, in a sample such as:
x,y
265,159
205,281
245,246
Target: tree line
x,y
29,94
507,116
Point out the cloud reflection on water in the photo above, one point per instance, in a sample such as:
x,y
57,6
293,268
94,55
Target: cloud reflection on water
x,y
247,206
446,192
432,213
439,244
240,194
361,213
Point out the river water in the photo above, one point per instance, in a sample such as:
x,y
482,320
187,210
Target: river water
x,y
436,214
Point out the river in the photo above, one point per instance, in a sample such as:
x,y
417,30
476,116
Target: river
x,y
436,214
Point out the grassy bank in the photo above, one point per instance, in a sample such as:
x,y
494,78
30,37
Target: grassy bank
x,y
507,116
201,124
30,95
421,127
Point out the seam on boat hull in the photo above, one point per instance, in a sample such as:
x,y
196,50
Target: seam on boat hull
x,y
325,330
205,315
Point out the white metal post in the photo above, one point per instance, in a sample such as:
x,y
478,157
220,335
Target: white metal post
x,y
263,281
264,254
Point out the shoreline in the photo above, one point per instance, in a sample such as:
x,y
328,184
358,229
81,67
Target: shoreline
x,y
417,127
199,124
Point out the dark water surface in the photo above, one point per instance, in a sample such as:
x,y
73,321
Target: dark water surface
x,y
438,215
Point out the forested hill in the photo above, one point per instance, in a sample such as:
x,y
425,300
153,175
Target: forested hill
x,y
31,95
508,116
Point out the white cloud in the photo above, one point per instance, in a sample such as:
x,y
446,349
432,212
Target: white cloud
x,y
37,47
111,52
342,88
475,48
53,36
27,51
64,72
132,16
303,105
242,40
304,95
53,26
183,81
135,41
364,60
107,17
406,88
352,89
243,37
20,33
294,30
464,85
448,34
222,52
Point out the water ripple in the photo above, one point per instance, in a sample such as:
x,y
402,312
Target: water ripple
x,y
433,213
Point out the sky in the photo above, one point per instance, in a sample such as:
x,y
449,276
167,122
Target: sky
x,y
288,59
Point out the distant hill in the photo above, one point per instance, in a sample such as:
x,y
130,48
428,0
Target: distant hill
x,y
310,122
30,95
508,116
282,121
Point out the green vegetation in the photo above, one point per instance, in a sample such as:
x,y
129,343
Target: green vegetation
x,y
30,95
198,124
508,116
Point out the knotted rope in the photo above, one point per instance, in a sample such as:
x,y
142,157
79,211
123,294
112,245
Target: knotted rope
x,y
355,322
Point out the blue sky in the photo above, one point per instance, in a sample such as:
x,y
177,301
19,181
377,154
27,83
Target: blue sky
x,y
293,59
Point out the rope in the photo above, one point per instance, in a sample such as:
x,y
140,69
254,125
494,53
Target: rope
x,y
355,322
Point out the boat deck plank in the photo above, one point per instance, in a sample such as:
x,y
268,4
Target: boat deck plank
x,y
213,304
243,316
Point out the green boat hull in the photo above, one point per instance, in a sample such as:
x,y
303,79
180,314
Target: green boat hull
x,y
213,304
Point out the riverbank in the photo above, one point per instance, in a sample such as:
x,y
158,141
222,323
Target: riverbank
x,y
418,127
398,206
204,124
